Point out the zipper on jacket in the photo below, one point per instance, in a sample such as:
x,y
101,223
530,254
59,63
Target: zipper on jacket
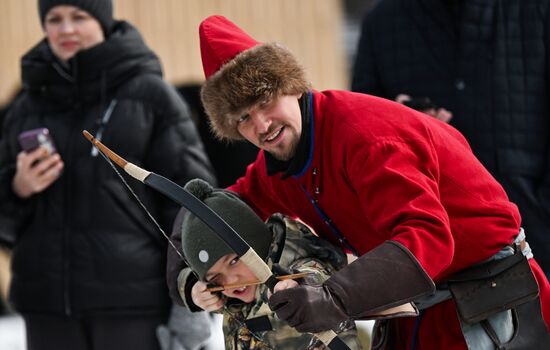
x,y
67,226
67,222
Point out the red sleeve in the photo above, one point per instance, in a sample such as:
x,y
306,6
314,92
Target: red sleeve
x,y
399,184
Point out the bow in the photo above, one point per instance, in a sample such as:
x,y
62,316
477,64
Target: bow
x,y
221,228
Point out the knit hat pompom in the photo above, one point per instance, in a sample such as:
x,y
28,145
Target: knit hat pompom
x,y
201,247
101,10
199,188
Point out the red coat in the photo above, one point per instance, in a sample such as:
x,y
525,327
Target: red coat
x,y
382,172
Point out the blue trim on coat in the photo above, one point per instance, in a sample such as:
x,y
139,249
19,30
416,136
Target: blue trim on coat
x,y
312,143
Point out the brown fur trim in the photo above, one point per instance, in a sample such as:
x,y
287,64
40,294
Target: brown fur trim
x,y
259,74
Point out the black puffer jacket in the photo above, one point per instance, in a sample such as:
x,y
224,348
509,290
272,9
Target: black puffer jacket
x,y
487,62
84,244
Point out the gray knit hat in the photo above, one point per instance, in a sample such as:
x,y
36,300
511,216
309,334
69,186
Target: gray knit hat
x,y
202,248
102,10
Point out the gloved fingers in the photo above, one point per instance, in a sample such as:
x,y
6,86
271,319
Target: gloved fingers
x,y
307,308
295,321
284,305
293,315
280,299
289,313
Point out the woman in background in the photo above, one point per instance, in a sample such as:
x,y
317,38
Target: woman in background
x,y
88,264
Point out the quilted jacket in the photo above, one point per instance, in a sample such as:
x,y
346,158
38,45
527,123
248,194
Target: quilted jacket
x,y
487,62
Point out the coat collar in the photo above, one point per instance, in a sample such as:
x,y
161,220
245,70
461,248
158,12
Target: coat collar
x,y
90,73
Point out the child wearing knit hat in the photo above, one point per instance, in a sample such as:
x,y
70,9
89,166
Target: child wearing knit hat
x,y
285,244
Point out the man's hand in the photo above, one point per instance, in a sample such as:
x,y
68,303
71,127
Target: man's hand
x,y
282,285
204,299
35,172
424,105
308,308
360,289
439,113
286,284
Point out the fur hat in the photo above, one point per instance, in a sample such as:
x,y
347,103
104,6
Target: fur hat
x,y
101,10
241,72
202,248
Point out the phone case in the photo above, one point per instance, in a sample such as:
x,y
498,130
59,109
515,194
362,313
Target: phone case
x,y
32,139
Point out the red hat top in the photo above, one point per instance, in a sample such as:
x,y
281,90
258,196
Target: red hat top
x,y
221,40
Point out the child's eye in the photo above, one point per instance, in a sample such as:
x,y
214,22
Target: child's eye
x,y
234,261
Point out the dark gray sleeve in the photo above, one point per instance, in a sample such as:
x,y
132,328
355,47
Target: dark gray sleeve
x,y
365,77
13,210
179,277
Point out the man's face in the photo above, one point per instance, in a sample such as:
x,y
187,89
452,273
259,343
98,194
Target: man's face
x,y
274,126
229,270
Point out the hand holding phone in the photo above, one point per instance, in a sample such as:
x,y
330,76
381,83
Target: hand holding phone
x,y
421,104
32,139
35,170
425,105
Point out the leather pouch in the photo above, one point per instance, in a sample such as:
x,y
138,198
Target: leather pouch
x,y
492,287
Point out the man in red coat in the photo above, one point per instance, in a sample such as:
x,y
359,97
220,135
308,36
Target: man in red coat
x,y
400,190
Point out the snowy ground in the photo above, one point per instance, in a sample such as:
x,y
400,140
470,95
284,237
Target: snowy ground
x,y
12,333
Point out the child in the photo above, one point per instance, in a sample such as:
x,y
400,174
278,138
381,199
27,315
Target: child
x,y
285,244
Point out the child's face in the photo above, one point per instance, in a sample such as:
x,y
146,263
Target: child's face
x,y
230,270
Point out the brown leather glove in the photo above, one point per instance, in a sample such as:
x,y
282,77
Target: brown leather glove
x,y
301,308
387,276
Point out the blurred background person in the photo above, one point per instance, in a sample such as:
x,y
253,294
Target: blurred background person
x,y
88,264
4,280
486,64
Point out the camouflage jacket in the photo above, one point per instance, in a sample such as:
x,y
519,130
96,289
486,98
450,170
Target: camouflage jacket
x,y
294,249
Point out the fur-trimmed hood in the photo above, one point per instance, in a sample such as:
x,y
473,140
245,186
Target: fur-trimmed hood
x,y
261,72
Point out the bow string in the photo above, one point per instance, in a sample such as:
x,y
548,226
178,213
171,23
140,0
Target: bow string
x,y
221,228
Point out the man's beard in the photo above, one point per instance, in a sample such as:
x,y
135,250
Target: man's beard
x,y
289,153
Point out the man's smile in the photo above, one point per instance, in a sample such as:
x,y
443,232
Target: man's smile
x,y
272,137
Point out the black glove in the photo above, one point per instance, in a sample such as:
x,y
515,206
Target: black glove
x,y
300,307
387,276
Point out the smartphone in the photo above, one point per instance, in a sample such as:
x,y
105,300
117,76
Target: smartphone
x,y
32,139
420,103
